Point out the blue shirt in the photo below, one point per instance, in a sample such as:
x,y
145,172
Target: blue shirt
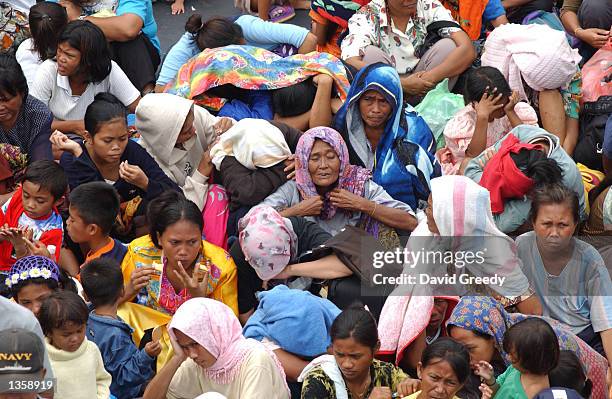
x,y
256,32
144,9
494,9
130,367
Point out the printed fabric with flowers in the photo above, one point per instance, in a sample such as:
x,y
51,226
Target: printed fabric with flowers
x,y
372,26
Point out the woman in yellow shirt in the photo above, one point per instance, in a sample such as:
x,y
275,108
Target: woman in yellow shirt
x,y
172,264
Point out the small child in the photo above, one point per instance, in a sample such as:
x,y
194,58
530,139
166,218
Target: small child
x,y
30,222
569,373
130,368
491,110
93,210
533,349
33,279
76,361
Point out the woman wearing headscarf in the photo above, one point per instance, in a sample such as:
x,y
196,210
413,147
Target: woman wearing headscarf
x,y
332,192
397,145
481,322
459,226
268,243
408,324
179,134
211,354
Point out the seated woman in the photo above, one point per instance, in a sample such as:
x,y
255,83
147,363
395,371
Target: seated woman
x,y
212,355
81,69
588,21
492,110
25,122
569,275
546,76
373,37
220,32
600,215
333,193
171,264
47,21
396,144
423,321
351,370
215,76
459,219
480,324
443,370
515,212
109,155
179,136
268,243
283,311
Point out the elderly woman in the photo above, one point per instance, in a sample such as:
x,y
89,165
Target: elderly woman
x,y
334,193
25,122
212,355
569,275
394,31
480,324
396,144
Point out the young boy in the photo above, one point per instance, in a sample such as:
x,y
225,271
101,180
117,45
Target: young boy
x,y
30,223
130,368
93,209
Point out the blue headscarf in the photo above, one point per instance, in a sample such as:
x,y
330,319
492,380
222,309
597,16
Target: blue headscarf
x,y
404,160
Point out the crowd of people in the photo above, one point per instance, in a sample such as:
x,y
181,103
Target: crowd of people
x,y
251,215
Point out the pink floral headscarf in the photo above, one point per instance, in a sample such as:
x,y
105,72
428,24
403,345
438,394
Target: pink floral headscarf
x,y
351,178
213,325
267,240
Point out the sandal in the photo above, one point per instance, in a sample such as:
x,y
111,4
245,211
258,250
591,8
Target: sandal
x,y
281,13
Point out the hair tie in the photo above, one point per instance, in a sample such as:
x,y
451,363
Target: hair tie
x,y
45,16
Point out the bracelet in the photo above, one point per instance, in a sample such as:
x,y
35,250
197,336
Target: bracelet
x,y
374,210
490,385
576,30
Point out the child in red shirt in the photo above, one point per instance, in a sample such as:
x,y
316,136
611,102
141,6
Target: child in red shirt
x,y
30,223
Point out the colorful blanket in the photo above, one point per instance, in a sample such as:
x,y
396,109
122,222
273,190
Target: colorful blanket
x,y
251,68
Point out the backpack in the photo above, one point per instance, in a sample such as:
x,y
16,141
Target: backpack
x,y
593,118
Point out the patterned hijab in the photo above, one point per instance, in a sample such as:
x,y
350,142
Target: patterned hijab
x,y
213,325
351,178
487,316
267,240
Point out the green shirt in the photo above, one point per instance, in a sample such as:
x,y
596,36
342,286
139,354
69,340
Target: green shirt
x,y
510,386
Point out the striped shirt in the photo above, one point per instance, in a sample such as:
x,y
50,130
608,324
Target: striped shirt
x,y
581,295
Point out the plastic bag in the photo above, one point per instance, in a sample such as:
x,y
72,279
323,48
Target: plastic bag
x,y
438,107
597,75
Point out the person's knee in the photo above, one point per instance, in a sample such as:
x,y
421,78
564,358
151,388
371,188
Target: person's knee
x,y
373,54
444,47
